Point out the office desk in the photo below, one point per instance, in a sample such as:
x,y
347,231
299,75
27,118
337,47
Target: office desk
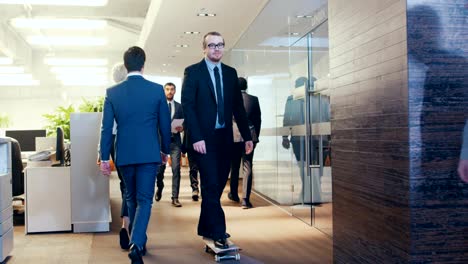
x,y
48,199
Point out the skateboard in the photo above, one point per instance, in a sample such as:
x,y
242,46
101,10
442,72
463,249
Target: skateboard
x,y
232,252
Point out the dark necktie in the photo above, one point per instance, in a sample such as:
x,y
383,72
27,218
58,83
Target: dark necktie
x,y
170,109
219,96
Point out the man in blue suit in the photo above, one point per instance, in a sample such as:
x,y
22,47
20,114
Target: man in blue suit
x,y
140,110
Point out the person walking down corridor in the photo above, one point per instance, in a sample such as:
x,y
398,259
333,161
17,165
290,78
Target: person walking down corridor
x,y
175,111
210,97
254,116
140,110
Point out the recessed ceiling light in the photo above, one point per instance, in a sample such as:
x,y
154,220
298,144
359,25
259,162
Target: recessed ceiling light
x,y
6,61
206,15
66,41
75,61
57,2
303,16
192,32
182,46
58,23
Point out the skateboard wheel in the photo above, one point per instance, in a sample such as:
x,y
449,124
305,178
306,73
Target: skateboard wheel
x,y
237,256
217,259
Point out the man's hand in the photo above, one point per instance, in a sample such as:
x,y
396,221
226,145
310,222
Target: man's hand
x,y
179,128
200,147
105,168
249,147
285,143
164,158
463,170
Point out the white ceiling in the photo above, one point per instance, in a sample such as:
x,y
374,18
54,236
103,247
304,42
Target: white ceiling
x,y
159,25
168,20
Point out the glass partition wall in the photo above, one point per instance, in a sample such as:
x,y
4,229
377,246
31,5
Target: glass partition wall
x,y
286,65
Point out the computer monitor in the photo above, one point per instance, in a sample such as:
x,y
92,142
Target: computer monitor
x,y
60,148
26,138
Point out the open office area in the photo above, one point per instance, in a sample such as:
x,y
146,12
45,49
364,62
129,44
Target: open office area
x,y
359,132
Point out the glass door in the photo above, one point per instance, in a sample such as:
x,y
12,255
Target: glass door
x,y
319,131
300,187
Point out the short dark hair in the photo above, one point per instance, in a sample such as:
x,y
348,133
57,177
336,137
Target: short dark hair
x,y
134,59
170,84
242,84
212,33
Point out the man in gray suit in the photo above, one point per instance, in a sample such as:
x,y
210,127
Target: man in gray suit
x,y
176,112
140,110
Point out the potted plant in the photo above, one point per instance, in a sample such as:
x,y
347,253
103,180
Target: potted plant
x,y
4,120
60,118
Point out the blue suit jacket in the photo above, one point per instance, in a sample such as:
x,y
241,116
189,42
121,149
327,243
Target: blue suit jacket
x,y
141,113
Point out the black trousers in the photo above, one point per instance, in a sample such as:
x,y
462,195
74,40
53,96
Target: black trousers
x,y
214,169
193,169
238,154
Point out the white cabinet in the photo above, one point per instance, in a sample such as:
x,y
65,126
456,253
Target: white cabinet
x,y
48,199
6,211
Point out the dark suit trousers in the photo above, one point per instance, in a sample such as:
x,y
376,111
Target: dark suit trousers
x,y
238,154
123,209
214,171
193,169
139,180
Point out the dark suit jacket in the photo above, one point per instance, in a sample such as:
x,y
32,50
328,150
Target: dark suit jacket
x,y
200,108
141,113
252,109
178,114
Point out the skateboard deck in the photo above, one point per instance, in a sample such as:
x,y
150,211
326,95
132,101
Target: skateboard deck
x,y
232,252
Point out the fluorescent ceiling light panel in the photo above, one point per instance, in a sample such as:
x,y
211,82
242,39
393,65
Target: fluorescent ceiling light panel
x,y
19,83
84,83
38,23
11,69
66,41
18,80
57,2
78,70
82,78
20,76
75,61
6,61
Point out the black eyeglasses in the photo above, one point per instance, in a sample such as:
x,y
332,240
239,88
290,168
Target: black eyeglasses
x,y
216,46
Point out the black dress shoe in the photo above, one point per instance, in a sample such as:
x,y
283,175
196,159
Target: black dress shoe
x,y
176,203
221,243
195,195
158,195
124,239
234,198
246,204
135,255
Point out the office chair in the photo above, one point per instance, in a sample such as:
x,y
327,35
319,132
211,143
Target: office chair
x,y
17,176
